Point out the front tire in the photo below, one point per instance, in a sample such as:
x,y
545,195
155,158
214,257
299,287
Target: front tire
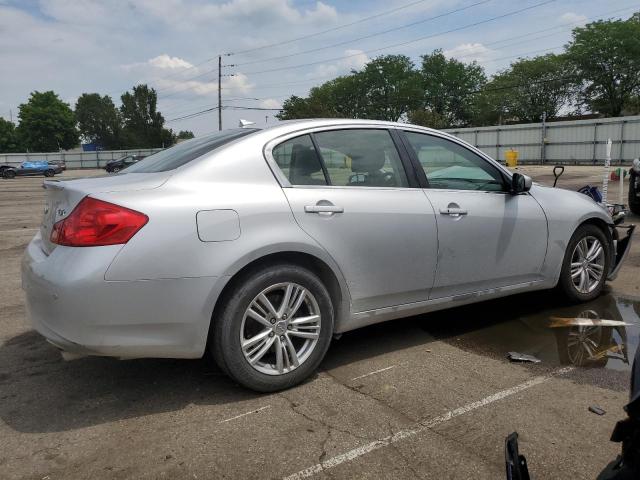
x,y
586,264
274,328
49,173
9,174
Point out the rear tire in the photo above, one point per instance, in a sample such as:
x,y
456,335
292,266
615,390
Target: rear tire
x,y
294,343
584,270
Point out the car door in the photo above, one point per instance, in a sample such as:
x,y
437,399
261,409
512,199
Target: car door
x,y
488,238
349,190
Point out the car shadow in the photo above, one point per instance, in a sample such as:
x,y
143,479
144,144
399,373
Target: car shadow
x,y
39,392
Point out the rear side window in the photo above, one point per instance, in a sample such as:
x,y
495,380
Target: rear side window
x,y
299,162
186,151
361,158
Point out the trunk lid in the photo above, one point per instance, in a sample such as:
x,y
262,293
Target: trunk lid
x,y
63,196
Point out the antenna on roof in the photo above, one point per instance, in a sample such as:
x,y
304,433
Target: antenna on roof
x,y
245,123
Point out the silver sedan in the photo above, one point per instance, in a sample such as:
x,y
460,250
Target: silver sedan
x,y
259,246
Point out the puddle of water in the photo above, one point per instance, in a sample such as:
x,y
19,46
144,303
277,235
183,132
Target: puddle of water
x,y
524,324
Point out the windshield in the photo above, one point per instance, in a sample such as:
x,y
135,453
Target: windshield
x,y
186,151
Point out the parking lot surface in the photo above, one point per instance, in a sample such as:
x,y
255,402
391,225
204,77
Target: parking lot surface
x,y
432,396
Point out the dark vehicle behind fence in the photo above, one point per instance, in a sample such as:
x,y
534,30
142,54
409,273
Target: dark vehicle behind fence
x,y
634,187
114,166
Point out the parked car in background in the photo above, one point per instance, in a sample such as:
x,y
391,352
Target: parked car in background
x,y
114,166
31,169
634,187
260,245
59,163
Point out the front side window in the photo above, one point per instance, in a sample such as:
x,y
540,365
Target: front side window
x,y
449,165
361,158
299,162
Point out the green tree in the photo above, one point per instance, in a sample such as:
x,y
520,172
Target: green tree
x,y
427,118
385,89
185,135
390,86
449,86
143,125
606,56
9,140
99,120
529,88
47,124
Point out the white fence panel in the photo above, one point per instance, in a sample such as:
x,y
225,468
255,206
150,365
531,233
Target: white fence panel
x,y
572,142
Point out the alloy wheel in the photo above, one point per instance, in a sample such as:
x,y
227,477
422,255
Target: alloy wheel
x,y
587,264
280,328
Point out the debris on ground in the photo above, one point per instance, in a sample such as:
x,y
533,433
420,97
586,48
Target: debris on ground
x,y
596,409
522,357
561,322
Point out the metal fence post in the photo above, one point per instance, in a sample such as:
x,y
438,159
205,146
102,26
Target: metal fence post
x,y
543,136
595,141
498,144
622,141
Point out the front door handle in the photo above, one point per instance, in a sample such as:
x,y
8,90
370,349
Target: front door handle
x,y
323,209
454,212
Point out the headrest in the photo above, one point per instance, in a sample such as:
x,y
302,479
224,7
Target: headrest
x,y
367,161
304,160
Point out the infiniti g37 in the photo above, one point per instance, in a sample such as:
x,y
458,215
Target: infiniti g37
x,y
259,246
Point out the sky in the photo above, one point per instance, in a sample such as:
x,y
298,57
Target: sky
x,y
107,46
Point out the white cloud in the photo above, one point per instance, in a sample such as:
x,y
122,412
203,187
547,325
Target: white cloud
x,y
270,103
164,61
354,60
468,52
571,17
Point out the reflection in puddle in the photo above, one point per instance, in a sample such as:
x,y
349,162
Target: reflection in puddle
x,y
599,334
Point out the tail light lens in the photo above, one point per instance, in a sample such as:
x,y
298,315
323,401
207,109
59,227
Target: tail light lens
x,y
95,222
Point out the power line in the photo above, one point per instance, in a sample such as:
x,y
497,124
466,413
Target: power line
x,y
401,44
462,56
383,32
333,29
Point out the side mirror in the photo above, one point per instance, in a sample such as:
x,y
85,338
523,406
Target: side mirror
x,y
520,183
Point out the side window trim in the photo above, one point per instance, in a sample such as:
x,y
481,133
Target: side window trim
x,y
327,178
423,182
402,151
413,176
423,176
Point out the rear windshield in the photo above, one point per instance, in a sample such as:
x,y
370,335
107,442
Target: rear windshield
x,y
186,151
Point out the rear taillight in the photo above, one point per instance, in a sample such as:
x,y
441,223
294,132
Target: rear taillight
x,y
95,222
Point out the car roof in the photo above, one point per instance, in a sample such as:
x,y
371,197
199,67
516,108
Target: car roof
x,y
287,126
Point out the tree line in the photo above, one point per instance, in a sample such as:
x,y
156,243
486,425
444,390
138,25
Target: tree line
x,y
48,124
598,72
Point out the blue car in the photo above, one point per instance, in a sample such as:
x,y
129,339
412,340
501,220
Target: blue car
x,y
30,169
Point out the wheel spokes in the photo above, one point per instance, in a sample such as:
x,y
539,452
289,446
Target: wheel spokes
x,y
280,341
258,351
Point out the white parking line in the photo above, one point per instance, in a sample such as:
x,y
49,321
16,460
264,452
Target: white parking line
x,y
245,414
373,373
421,427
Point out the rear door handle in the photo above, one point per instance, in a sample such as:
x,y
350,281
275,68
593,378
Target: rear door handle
x,y
454,212
323,209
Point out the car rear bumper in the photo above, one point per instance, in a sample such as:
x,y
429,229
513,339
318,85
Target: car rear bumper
x,y
71,305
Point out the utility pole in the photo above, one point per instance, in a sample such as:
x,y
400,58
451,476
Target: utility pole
x,y
11,115
219,92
